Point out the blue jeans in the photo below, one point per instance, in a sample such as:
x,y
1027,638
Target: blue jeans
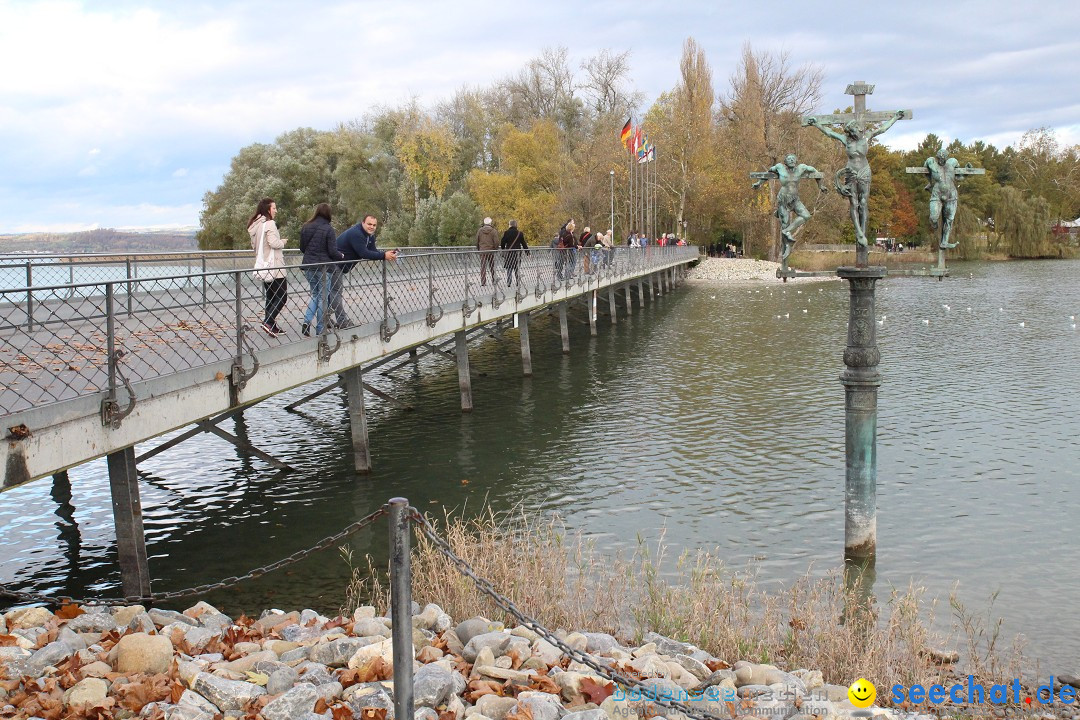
x,y
316,278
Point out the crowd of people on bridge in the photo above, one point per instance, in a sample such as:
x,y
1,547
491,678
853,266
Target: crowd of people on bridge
x,y
328,257
320,246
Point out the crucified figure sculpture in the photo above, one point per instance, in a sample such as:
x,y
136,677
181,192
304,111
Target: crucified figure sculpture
x,y
853,180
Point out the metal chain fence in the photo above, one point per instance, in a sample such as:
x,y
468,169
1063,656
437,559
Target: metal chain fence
x,y
143,318
485,586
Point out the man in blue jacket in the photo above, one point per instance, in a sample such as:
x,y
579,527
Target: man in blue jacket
x,y
356,243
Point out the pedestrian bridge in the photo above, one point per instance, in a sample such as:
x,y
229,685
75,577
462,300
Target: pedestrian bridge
x,y
98,353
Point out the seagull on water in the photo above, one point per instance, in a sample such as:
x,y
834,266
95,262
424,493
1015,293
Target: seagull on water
x,y
1001,309
881,323
925,322
946,307
787,315
969,309
1022,324
804,310
712,297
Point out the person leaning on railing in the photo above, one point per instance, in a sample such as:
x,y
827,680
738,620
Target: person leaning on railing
x,y
267,243
356,243
318,242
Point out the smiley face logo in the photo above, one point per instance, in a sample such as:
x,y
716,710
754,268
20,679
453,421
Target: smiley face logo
x,y
862,693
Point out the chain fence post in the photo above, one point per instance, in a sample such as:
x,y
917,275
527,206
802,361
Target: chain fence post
x,y
204,281
29,296
130,275
110,339
401,608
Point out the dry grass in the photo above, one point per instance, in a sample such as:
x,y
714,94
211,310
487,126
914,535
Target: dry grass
x,y
814,623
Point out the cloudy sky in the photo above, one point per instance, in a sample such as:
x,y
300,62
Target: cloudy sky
x,y
117,113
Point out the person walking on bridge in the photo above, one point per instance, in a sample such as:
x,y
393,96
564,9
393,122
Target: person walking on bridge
x,y
318,242
513,244
356,243
487,242
267,243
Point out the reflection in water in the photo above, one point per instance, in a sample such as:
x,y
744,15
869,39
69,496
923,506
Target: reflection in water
x,y
67,528
704,418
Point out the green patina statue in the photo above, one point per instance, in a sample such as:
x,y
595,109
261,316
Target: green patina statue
x,y
945,172
789,207
853,180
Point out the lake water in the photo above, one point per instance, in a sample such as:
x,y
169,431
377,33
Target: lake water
x,y
704,417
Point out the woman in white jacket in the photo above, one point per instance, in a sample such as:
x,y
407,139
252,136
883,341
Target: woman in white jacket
x,y
267,243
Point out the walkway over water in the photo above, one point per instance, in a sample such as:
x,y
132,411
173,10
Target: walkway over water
x,y
98,354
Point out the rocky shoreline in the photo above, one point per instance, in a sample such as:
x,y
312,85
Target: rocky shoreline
x,y
124,662
730,271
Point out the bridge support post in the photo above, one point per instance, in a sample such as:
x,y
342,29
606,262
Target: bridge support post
x,y
354,388
641,292
611,304
564,328
526,351
629,300
592,313
861,381
127,518
464,376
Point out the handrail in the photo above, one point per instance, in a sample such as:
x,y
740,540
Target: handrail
x,y
69,340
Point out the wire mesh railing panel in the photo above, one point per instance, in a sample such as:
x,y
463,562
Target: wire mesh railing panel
x,y
155,318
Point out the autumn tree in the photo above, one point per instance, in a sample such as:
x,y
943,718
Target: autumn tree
x,y
526,187
760,113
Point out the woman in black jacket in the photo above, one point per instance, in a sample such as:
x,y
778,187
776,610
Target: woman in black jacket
x,y
513,243
318,242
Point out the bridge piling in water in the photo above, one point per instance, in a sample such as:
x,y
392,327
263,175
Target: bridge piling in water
x,y
526,351
611,305
354,388
591,300
464,376
629,300
564,329
128,520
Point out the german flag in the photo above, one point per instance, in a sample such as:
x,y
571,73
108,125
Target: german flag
x,y
624,137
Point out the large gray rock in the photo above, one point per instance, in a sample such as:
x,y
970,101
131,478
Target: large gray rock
x,y
14,662
281,680
215,621
432,685
198,637
495,707
23,618
49,656
228,695
73,639
337,653
162,618
594,714
370,695
297,701
87,691
301,634
468,629
92,622
496,641
196,702
600,642
370,628
141,622
314,673
330,691
139,652
544,706
667,646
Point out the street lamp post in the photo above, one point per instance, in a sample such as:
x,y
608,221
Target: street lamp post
x,y
611,227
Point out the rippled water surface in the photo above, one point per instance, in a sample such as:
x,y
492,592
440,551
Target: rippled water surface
x,y
705,417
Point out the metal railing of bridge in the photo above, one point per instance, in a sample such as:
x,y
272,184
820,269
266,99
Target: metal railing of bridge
x,y
143,317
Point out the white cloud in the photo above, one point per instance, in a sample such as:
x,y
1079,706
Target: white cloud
x,y
165,94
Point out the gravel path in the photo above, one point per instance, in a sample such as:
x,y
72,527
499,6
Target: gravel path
x,y
729,271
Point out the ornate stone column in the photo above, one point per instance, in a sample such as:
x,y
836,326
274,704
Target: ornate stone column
x,y
861,380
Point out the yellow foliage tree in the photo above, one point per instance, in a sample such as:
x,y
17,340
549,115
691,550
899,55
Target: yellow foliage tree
x,y
427,151
526,187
